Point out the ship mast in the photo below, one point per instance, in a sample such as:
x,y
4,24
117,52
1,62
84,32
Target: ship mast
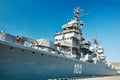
x,y
79,24
76,14
95,43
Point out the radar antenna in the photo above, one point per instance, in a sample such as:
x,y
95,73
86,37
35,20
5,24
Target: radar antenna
x,y
76,13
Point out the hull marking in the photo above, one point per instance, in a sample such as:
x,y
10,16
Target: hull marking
x,y
77,69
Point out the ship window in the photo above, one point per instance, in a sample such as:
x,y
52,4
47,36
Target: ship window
x,y
11,47
33,52
56,39
42,54
42,47
23,50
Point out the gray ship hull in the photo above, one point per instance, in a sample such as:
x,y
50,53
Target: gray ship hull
x,y
18,62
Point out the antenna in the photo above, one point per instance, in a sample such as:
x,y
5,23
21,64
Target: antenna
x,y
84,14
76,13
96,40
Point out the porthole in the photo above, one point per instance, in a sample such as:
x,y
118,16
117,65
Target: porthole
x,y
11,47
33,52
23,50
42,54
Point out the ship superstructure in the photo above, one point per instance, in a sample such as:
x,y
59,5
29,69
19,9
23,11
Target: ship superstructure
x,y
70,55
72,44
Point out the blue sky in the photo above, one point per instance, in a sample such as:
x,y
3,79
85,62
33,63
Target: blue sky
x,y
42,18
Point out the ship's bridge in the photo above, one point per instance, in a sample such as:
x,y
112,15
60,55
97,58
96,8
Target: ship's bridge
x,y
71,24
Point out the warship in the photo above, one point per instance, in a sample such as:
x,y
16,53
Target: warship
x,y
69,56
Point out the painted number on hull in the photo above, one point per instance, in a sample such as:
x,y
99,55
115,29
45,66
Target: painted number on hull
x,y
77,69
